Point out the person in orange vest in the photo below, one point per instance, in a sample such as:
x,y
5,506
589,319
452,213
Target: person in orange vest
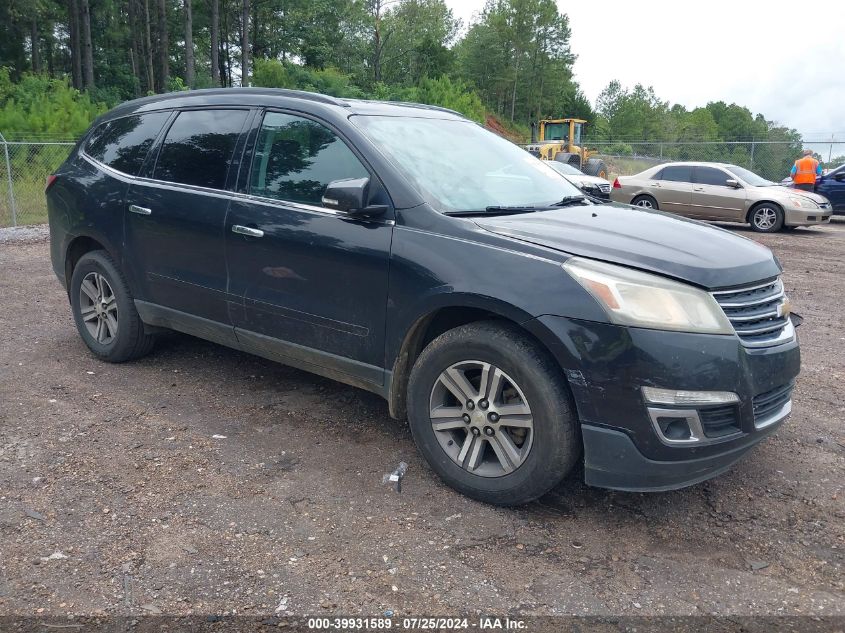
x,y
805,170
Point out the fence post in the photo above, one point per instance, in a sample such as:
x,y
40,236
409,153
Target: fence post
x,y
9,176
753,145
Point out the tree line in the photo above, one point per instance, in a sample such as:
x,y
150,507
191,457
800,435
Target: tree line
x,y
514,61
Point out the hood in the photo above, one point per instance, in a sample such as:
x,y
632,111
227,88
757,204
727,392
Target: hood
x,y
788,192
650,240
592,180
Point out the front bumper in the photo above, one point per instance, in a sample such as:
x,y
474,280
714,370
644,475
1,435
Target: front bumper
x,y
807,217
607,365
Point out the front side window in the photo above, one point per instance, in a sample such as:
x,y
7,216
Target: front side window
x,y
677,173
296,158
198,147
749,177
711,176
123,143
456,165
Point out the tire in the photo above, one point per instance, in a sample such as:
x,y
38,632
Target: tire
x,y
646,202
513,464
595,167
766,217
571,159
113,331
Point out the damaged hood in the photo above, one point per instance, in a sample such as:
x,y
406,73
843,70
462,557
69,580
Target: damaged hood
x,y
659,242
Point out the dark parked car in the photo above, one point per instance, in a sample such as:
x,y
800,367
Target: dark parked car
x,y
832,186
515,323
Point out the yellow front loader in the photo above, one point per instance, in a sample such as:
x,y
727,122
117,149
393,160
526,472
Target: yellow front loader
x,y
560,140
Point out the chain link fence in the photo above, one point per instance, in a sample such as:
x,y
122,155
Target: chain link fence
x,y
24,167
770,159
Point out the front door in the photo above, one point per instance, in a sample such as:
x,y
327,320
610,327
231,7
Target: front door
x,y
175,218
313,281
713,198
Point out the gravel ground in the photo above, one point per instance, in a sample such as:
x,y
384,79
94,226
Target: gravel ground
x,y
201,480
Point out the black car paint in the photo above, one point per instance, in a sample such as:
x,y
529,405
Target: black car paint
x,y
348,297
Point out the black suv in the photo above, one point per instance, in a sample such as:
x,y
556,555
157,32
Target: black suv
x,y
405,250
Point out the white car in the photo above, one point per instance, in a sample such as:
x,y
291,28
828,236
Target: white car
x,y
591,185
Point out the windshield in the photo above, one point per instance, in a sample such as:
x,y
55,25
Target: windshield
x,y
457,165
749,176
556,131
565,168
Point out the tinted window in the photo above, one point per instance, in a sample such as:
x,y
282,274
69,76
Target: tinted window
x,y
198,147
296,158
123,143
710,176
676,173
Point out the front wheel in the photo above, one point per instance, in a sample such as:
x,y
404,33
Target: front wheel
x,y
766,218
490,413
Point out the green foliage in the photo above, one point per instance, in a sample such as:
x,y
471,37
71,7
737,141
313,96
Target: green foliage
x,y
448,93
40,106
272,73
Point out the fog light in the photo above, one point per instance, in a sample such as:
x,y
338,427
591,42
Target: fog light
x,y
653,395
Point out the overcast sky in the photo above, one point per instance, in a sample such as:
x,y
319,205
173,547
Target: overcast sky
x,y
783,59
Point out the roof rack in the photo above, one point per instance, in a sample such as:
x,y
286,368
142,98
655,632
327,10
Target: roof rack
x,y
407,104
281,92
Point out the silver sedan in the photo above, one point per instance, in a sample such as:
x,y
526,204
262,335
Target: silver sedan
x,y
721,192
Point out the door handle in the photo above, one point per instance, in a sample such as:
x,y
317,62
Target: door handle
x,y
698,188
134,208
247,230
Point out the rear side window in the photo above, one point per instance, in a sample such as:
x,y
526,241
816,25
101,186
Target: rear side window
x,y
677,173
710,176
296,158
198,147
123,143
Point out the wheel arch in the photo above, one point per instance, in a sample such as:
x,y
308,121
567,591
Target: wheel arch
x,y
79,245
442,318
754,206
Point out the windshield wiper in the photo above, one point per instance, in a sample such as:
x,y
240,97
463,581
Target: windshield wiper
x,y
570,200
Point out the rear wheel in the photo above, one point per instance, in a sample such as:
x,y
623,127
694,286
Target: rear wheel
x,y
595,167
104,310
570,159
646,202
489,412
766,218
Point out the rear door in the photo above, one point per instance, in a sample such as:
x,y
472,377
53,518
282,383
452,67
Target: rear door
x,y
713,199
175,216
673,190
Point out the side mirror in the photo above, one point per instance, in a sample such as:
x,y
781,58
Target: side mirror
x,y
730,182
350,195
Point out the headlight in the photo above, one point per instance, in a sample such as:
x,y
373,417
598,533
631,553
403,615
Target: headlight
x,y
640,299
803,203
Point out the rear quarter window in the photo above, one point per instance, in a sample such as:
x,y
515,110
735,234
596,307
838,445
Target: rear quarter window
x,y
123,144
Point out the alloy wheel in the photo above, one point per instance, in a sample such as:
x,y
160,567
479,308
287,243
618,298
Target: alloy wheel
x,y
765,218
98,308
481,418
645,203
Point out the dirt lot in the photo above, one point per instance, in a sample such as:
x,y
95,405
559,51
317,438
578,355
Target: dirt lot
x,y
117,495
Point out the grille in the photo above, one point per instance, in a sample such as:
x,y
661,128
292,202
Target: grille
x,y
719,421
757,314
604,188
770,402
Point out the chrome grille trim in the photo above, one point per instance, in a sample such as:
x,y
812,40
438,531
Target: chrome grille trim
x,y
756,313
